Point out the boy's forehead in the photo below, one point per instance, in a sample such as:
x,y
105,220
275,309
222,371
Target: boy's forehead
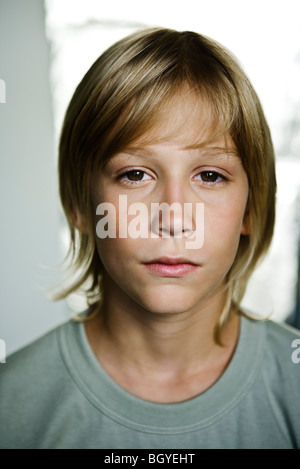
x,y
187,120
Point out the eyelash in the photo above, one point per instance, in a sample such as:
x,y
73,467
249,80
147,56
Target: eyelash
x,y
219,176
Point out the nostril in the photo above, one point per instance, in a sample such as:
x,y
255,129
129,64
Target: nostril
x,y
165,232
174,220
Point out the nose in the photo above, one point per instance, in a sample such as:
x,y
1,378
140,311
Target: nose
x,y
172,216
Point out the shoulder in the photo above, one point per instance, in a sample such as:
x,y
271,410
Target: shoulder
x,y
282,349
281,330
272,351
276,336
43,353
31,381
277,348
43,357
281,339
31,366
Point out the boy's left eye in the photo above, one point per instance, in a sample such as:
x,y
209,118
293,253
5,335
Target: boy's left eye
x,y
210,177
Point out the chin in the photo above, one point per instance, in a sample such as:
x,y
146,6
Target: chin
x,y
168,302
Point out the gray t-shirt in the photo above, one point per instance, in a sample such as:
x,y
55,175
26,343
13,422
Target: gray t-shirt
x,y
54,394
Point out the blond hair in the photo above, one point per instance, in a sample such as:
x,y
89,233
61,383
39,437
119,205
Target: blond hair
x,y
120,97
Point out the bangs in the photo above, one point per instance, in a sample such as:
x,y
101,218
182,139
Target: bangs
x,y
147,82
158,115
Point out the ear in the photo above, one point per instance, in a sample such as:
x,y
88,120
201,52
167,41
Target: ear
x,y
78,220
245,229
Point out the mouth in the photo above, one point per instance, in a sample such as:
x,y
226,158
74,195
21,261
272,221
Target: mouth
x,y
171,267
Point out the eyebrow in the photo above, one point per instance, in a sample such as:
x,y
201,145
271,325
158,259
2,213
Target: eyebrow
x,y
136,151
214,151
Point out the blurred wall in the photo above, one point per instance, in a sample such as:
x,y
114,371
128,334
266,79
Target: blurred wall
x,y
29,204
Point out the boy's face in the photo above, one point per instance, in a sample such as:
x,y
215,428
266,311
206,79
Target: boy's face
x,y
170,267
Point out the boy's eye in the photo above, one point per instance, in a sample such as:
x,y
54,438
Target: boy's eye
x,y
210,177
135,175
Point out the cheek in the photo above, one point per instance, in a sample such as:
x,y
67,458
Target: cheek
x,y
117,254
223,226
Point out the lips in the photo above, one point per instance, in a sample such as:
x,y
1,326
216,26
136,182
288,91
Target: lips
x,y
171,267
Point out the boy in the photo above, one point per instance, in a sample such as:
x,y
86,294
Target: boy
x,y
167,179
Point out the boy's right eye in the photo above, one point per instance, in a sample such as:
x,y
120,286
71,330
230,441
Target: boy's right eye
x,y
134,175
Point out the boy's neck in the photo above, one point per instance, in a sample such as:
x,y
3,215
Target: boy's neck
x,y
163,358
